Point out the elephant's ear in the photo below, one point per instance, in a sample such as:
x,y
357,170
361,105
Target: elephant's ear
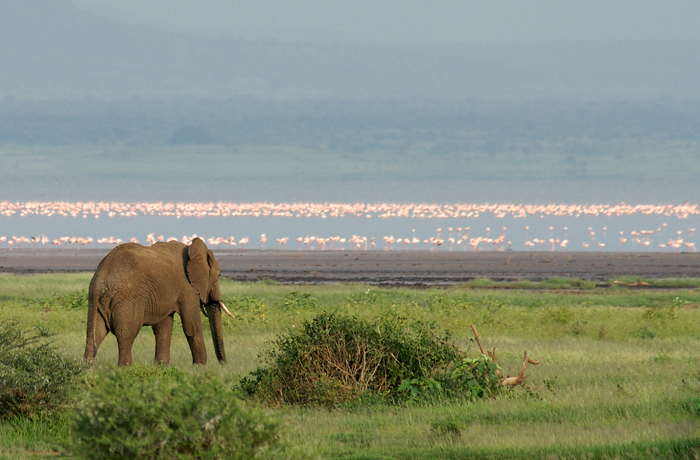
x,y
198,268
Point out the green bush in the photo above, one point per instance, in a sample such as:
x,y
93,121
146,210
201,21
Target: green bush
x,y
157,412
473,378
421,389
35,378
333,359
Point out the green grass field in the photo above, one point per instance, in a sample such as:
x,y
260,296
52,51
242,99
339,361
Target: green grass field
x,y
619,378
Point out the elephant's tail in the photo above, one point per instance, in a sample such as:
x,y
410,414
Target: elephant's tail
x,y
93,317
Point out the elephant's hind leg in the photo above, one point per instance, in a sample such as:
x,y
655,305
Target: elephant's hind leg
x,y
125,342
126,334
163,332
127,321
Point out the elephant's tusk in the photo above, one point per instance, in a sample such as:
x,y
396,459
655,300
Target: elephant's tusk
x,y
226,309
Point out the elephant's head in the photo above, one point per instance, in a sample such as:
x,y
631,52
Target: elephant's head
x,y
203,273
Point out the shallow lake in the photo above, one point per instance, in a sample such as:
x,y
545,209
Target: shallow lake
x,y
598,232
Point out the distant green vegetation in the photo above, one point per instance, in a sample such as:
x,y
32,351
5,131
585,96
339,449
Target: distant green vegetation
x,y
401,138
618,378
657,161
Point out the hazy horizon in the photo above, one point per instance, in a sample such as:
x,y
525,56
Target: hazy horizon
x,y
507,50
387,22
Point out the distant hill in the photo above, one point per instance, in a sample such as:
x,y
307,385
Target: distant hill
x,y
50,49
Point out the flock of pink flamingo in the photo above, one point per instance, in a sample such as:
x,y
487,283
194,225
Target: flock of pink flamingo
x,y
643,239
325,210
457,238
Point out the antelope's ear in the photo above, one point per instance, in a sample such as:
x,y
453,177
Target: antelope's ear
x,y
198,268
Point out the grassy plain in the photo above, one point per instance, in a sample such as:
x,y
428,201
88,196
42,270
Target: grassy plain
x,y
619,375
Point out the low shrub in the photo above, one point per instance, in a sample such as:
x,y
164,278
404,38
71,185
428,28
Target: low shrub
x,y
421,389
333,359
474,378
158,412
35,378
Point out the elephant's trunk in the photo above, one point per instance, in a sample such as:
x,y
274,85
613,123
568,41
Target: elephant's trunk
x,y
214,314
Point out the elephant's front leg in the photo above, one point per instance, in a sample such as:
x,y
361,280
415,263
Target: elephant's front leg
x,y
192,326
163,332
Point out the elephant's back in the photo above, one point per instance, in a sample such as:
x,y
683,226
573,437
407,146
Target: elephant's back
x,y
131,271
132,258
124,256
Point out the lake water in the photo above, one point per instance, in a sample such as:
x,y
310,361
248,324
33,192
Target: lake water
x,y
574,229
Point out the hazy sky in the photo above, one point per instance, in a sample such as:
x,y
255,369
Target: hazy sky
x,y
423,21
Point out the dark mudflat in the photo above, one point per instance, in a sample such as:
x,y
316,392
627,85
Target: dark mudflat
x,y
420,268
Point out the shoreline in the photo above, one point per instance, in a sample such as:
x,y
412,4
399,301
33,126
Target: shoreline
x,y
400,268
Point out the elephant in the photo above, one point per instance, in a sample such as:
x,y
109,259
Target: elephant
x,y
136,286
